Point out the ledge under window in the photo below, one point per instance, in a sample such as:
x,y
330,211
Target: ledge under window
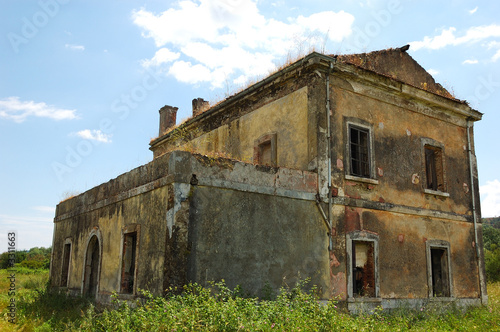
x,y
362,299
360,179
436,193
442,299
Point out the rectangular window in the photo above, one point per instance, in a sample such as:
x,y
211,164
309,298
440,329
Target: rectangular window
x,y
128,263
359,146
265,154
440,272
363,273
265,150
362,265
65,264
434,168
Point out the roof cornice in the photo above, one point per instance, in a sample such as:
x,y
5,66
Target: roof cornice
x,y
326,63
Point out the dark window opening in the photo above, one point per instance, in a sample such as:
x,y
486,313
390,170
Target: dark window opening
x,y
265,154
440,272
363,274
434,168
65,264
128,263
265,150
360,152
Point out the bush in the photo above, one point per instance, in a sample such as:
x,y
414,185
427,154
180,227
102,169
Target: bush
x,y
33,264
491,236
35,258
492,263
219,308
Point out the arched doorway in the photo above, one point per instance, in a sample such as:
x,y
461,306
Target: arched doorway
x,y
91,274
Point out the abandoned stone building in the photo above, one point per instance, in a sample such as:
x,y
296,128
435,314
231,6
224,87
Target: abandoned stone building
x,y
356,171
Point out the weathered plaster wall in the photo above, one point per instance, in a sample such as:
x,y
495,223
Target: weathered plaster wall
x,y
396,208
286,116
402,244
399,159
253,239
148,210
397,64
198,219
135,198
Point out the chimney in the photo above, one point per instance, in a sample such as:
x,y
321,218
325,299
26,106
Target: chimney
x,y
168,115
199,106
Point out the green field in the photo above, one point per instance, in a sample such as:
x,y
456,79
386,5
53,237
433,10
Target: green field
x,y
199,309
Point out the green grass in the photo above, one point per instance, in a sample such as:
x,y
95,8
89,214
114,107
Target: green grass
x,y
222,309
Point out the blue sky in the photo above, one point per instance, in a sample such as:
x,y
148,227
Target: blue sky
x,y
81,82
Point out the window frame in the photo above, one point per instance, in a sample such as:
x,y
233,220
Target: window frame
x,y
351,239
431,144
269,138
127,231
367,127
84,281
438,244
66,271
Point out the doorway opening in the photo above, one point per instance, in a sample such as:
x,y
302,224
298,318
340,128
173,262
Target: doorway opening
x,y
91,276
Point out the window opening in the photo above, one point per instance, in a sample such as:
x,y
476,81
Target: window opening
x,y
265,154
359,148
65,264
440,272
128,262
265,150
91,276
434,168
363,273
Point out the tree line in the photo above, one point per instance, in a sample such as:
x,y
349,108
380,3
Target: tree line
x,y
34,258
491,240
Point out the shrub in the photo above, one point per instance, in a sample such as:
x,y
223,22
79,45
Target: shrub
x,y
219,308
492,263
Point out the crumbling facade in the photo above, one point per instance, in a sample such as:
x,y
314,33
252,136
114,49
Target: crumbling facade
x,y
356,171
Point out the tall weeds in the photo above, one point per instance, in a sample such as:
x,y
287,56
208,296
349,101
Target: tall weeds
x,y
218,308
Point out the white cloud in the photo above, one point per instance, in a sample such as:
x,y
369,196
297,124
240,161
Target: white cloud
x,y
433,71
219,40
470,62
75,47
493,44
490,199
496,56
336,25
472,11
188,73
162,56
12,108
445,38
448,37
93,135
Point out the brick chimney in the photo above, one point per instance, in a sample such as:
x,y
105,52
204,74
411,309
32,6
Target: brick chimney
x,y
168,115
199,105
